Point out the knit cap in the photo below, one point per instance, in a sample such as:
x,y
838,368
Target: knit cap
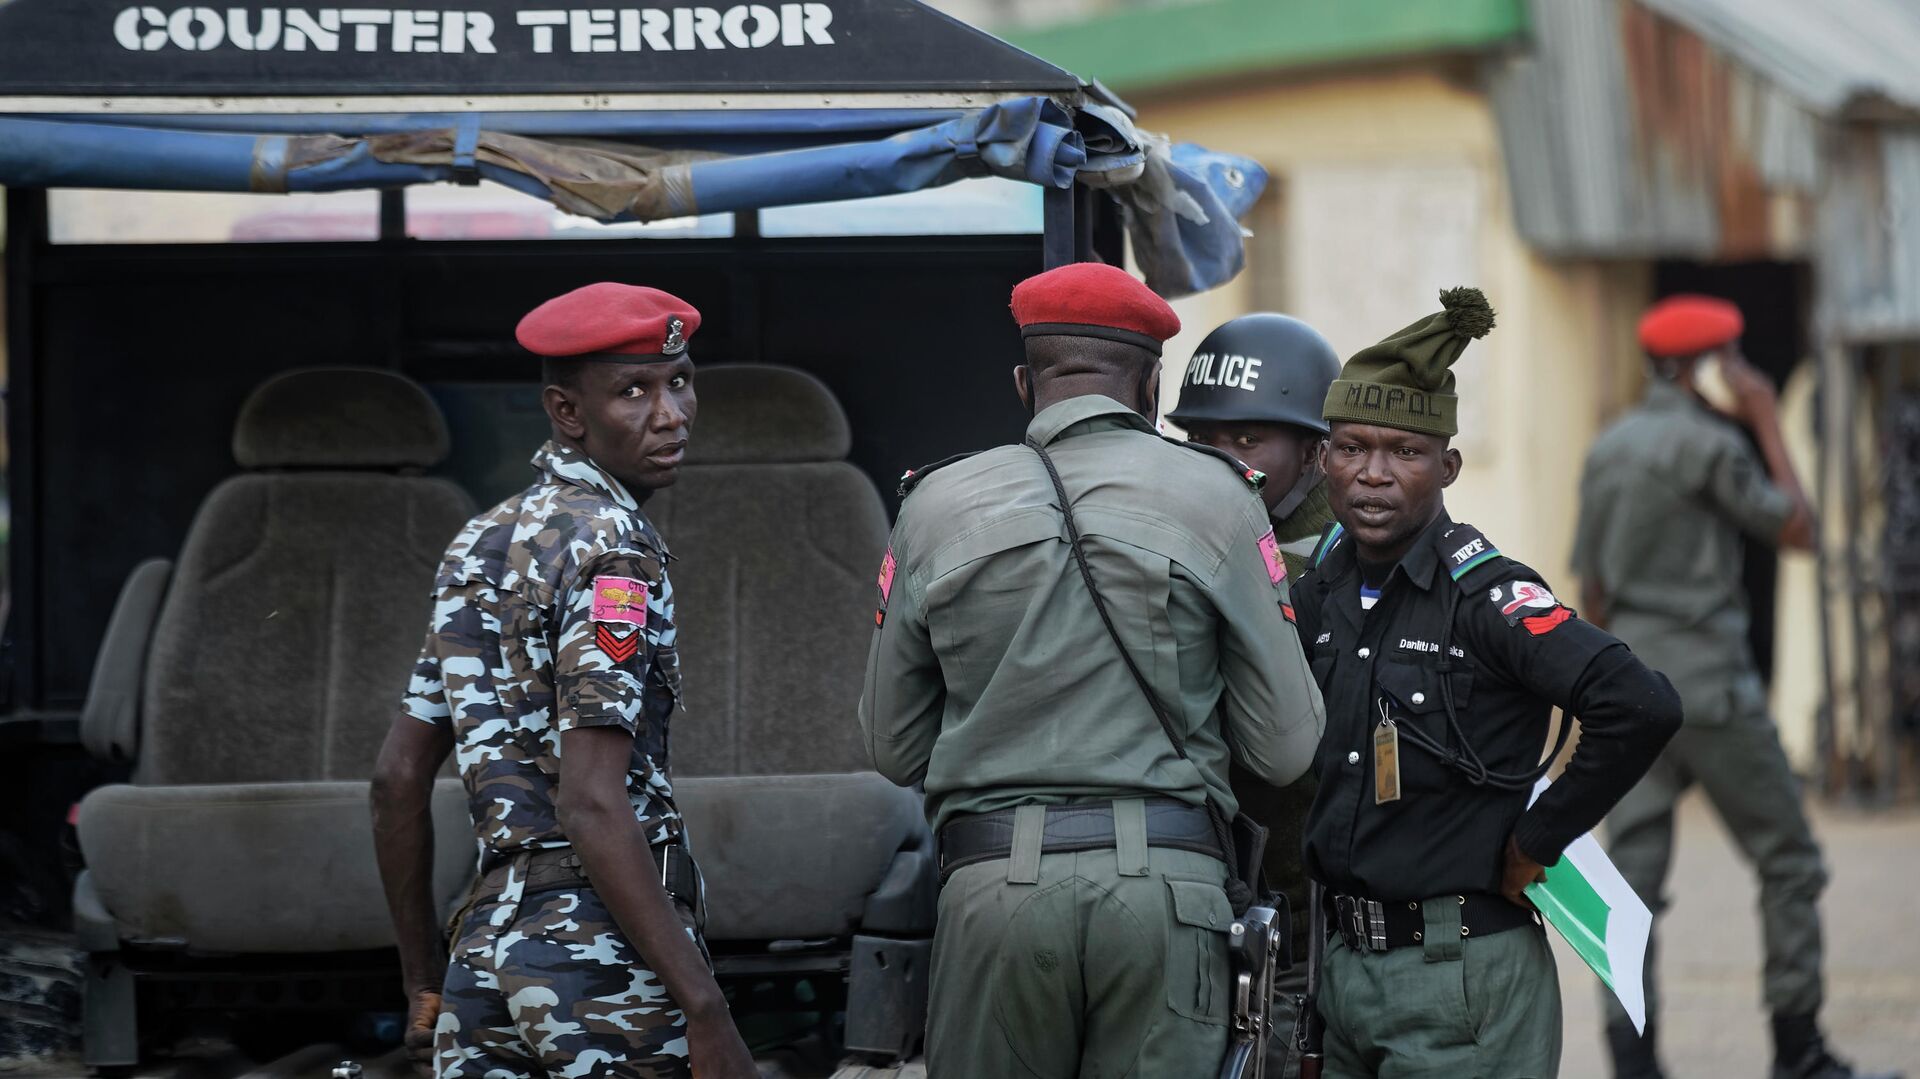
x,y
1406,381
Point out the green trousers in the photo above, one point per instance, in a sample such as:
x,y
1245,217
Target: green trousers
x,y
1451,1008
1743,771
1094,965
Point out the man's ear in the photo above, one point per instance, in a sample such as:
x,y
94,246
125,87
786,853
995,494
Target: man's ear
x,y
1023,385
1450,463
563,411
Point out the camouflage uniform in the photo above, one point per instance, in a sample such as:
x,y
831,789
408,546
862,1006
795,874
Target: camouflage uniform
x,y
552,611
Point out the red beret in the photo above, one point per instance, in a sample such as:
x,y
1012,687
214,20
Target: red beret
x,y
1687,325
609,321
1088,299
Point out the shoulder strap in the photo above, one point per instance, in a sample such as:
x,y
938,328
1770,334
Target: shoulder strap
x,y
1255,479
911,477
1465,550
1239,892
1100,604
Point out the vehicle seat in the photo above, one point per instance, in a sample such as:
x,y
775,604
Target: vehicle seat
x,y
254,683
777,542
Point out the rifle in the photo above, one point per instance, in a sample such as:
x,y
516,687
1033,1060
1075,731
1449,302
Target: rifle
x,y
1257,945
1309,1030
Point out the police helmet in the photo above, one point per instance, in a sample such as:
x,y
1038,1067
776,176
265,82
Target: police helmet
x,y
1264,368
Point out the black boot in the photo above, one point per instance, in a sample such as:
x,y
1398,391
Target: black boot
x,y
1633,1055
1799,1052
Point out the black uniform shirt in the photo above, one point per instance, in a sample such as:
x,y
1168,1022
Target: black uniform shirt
x,y
1511,654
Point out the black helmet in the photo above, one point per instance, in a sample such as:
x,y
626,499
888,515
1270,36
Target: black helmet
x,y
1264,368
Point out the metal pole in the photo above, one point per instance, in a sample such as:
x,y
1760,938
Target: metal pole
x,y
1826,432
1083,213
1060,243
1857,589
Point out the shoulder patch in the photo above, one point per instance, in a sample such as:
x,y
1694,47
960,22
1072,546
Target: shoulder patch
x,y
1529,604
1328,541
1276,562
1253,477
911,477
620,600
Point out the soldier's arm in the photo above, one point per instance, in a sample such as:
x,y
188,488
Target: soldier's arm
x,y
1773,507
1272,706
600,684
905,693
1627,711
402,803
598,818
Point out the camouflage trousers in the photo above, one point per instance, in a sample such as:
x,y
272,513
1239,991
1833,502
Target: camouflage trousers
x,y
544,984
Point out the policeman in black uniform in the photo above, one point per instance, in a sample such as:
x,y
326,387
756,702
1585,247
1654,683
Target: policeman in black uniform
x,y
1441,661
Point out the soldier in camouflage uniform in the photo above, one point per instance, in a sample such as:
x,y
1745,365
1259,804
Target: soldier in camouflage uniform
x,y
550,671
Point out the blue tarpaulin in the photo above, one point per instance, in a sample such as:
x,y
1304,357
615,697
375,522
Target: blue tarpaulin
x,y
1182,204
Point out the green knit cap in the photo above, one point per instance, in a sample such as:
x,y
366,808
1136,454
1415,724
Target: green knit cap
x,y
1406,381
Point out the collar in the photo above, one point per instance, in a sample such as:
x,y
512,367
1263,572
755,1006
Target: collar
x,y
1419,564
564,464
1664,396
1056,419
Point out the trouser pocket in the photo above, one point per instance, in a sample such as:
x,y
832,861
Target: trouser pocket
x,y
1197,975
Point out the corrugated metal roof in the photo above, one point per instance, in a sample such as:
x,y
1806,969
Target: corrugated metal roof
x,y
1836,56
1628,135
1726,129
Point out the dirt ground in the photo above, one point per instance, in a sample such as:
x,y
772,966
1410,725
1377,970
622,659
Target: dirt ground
x,y
1713,1022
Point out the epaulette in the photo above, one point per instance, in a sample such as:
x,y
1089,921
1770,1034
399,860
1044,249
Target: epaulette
x,y
1470,557
1255,479
911,477
1328,541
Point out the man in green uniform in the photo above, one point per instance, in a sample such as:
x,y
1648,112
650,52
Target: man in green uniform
x,y
1442,662
1254,389
1668,493
1084,913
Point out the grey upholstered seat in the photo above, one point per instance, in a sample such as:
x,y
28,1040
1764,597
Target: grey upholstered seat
x,y
277,655
777,540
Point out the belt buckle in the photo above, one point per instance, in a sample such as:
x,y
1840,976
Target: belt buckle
x,y
1363,922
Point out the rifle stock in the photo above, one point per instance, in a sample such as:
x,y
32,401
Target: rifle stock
x,y
1311,1029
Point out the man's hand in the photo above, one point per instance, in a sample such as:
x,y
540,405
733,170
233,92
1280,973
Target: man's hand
x,y
1758,401
423,1014
1520,872
716,1049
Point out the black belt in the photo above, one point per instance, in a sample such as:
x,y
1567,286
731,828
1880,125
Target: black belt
x,y
1372,925
553,868
984,837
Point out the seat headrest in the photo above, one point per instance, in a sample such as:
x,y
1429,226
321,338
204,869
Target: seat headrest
x,y
759,413
339,417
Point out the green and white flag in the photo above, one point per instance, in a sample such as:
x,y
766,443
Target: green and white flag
x,y
1590,904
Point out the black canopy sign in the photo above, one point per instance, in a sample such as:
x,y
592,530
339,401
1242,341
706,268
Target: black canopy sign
x,y
441,47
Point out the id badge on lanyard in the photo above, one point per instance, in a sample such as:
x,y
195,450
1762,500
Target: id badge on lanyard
x,y
1386,759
